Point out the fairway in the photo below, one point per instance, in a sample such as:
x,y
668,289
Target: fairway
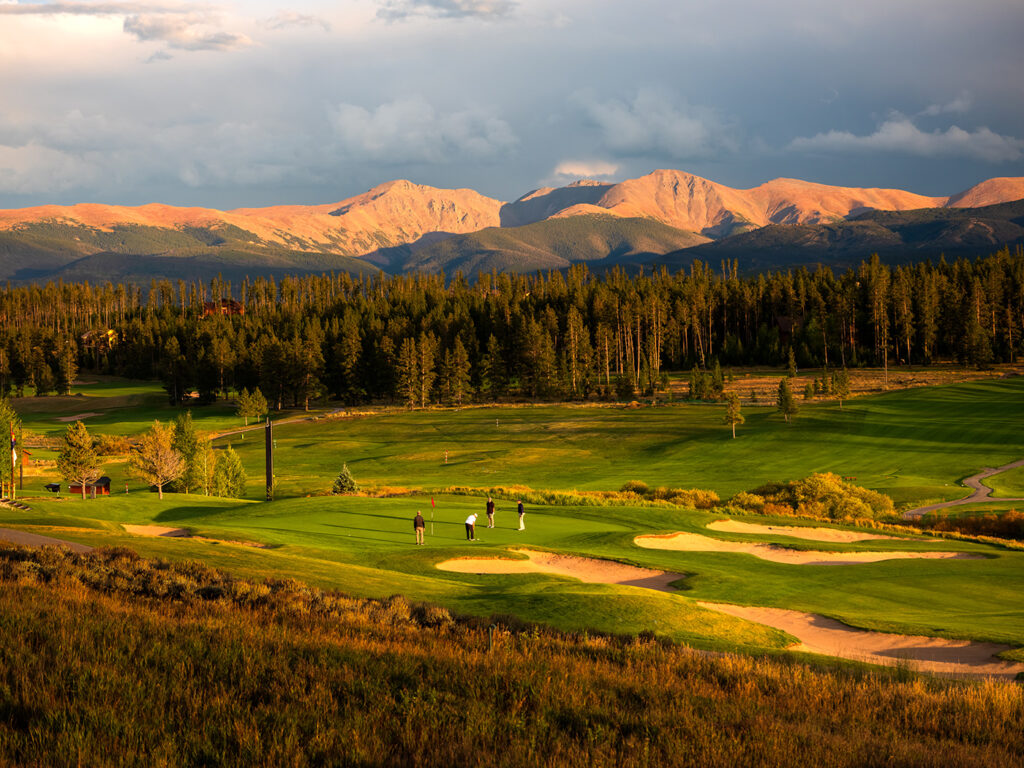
x,y
914,445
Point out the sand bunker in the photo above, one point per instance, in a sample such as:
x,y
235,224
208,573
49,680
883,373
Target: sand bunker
x,y
77,417
692,542
586,569
794,531
818,634
156,530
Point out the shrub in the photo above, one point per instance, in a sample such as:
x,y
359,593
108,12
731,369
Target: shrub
x,y
748,501
824,495
639,487
344,483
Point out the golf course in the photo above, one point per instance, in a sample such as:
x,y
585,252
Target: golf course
x,y
590,558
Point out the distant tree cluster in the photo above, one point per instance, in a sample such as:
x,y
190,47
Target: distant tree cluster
x,y
172,458
419,339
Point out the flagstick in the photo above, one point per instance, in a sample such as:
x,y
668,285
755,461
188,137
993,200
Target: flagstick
x,y
431,522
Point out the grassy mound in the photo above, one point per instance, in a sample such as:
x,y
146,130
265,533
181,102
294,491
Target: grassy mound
x,y
100,665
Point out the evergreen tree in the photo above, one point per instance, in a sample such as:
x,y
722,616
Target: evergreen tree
x,y
717,382
791,365
408,371
186,443
229,475
155,461
458,373
426,360
78,461
809,391
67,366
732,412
785,402
9,424
841,385
344,483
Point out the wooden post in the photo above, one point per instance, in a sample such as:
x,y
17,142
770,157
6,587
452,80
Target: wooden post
x,y
270,459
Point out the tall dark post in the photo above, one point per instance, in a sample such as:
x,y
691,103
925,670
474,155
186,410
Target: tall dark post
x,y
270,460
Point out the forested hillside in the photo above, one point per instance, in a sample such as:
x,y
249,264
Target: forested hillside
x,y
421,339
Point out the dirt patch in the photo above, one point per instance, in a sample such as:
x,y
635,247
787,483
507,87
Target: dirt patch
x,y
183,533
77,417
793,531
818,634
35,540
692,542
591,570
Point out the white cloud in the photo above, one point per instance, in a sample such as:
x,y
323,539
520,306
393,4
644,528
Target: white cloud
x,y
960,105
394,10
585,169
294,19
899,135
652,125
411,130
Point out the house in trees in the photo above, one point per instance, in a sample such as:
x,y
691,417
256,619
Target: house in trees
x,y
99,488
101,341
223,307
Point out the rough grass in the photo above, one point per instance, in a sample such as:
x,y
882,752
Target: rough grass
x,y
93,673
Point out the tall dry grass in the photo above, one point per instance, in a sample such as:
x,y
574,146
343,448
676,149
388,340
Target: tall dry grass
x,y
108,659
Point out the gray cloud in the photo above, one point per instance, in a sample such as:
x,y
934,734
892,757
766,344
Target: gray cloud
x,y
899,135
413,131
652,125
285,19
394,10
86,9
186,32
186,28
960,105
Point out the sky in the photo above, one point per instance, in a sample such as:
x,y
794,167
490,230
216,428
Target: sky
x,y
229,104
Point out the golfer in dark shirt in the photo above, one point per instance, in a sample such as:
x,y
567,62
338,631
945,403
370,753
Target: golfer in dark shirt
x,y
490,512
419,525
522,516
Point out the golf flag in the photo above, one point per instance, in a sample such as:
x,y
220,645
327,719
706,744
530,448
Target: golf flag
x,y
432,502
14,444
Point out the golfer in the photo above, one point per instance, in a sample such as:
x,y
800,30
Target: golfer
x,y
471,527
419,525
490,512
522,516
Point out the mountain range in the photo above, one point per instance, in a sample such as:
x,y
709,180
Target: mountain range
x,y
666,217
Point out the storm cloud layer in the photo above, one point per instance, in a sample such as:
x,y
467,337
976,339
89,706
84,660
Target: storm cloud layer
x,y
230,104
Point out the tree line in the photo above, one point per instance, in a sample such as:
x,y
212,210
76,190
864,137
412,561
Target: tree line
x,y
421,339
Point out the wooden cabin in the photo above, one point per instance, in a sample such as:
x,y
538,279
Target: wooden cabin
x,y
100,488
223,307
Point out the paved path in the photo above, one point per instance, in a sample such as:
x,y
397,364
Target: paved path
x,y
981,492
35,540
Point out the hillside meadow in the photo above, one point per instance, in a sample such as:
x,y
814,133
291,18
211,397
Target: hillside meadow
x,y
911,444
169,665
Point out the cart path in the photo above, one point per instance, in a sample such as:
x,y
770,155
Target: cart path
x,y
981,493
35,540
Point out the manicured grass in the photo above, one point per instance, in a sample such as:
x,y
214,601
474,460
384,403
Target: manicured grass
x,y
365,547
122,407
1009,484
914,445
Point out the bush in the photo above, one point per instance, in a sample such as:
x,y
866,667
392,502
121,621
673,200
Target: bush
x,y
748,501
344,483
823,495
639,487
